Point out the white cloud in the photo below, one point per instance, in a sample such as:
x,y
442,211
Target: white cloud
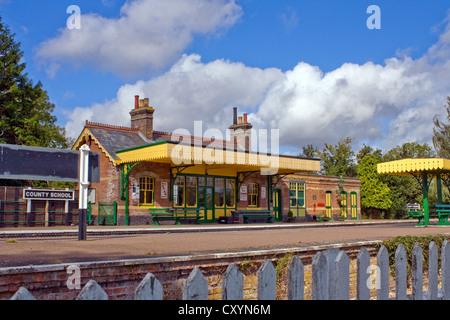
x,y
384,105
149,34
189,91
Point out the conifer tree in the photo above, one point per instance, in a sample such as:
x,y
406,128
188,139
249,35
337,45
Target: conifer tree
x,y
25,110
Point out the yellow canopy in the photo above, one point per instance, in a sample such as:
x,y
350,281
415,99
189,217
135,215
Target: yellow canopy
x,y
200,158
406,167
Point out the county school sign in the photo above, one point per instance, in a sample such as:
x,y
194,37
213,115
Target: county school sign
x,y
40,194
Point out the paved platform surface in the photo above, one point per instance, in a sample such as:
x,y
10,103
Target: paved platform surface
x,y
37,246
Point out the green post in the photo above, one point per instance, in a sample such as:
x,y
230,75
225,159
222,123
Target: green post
x,y
439,188
426,216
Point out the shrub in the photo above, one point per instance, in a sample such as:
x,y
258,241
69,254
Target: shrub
x,y
408,242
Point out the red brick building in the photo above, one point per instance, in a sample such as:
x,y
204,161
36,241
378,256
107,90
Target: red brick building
x,y
142,169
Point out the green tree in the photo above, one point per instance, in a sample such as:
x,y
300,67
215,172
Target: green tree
x,y
309,152
366,150
441,138
338,160
25,110
375,195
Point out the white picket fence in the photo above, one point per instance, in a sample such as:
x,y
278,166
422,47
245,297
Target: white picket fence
x,y
330,273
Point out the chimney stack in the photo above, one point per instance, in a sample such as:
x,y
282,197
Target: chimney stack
x,y
136,102
142,117
240,131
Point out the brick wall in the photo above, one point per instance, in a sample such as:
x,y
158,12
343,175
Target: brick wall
x,y
316,187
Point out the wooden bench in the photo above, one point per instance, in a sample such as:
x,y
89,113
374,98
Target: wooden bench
x,y
176,214
256,214
443,211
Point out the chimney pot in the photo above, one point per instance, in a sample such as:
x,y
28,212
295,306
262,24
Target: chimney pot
x,y
240,120
146,102
141,103
234,115
136,102
245,118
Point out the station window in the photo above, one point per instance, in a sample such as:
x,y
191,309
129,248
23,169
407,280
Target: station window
x,y
146,190
219,192
230,193
178,192
253,194
191,191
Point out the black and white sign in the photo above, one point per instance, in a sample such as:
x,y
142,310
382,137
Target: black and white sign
x,y
41,194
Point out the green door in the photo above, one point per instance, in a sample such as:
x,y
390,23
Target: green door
x,y
277,204
206,202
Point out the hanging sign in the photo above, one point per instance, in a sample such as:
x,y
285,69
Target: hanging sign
x,y
164,190
41,194
263,192
243,193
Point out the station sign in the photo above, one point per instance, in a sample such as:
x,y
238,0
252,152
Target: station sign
x,y
36,163
42,194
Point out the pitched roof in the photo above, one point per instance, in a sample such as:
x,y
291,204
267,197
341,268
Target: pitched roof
x,y
111,138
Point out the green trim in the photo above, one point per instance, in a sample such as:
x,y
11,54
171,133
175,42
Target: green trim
x,y
225,207
354,206
141,147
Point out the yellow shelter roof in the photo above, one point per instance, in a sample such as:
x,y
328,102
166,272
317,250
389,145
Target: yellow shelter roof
x,y
221,160
413,166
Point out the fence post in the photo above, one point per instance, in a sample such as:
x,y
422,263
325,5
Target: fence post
x,y
233,284
417,272
400,273
92,291
149,289
433,271
362,274
331,255
267,280
342,277
319,277
23,294
383,274
196,286
445,269
296,275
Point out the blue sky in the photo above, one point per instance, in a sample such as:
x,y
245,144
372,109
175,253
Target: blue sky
x,y
311,69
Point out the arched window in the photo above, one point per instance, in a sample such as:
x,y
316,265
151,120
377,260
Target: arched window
x,y
146,190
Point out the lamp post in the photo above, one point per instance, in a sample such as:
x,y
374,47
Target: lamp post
x,y
339,193
82,198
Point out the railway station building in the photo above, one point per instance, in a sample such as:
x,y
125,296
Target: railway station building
x,y
143,170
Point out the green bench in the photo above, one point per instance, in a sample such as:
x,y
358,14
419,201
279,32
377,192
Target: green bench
x,y
256,214
443,211
322,218
176,214
414,212
417,214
